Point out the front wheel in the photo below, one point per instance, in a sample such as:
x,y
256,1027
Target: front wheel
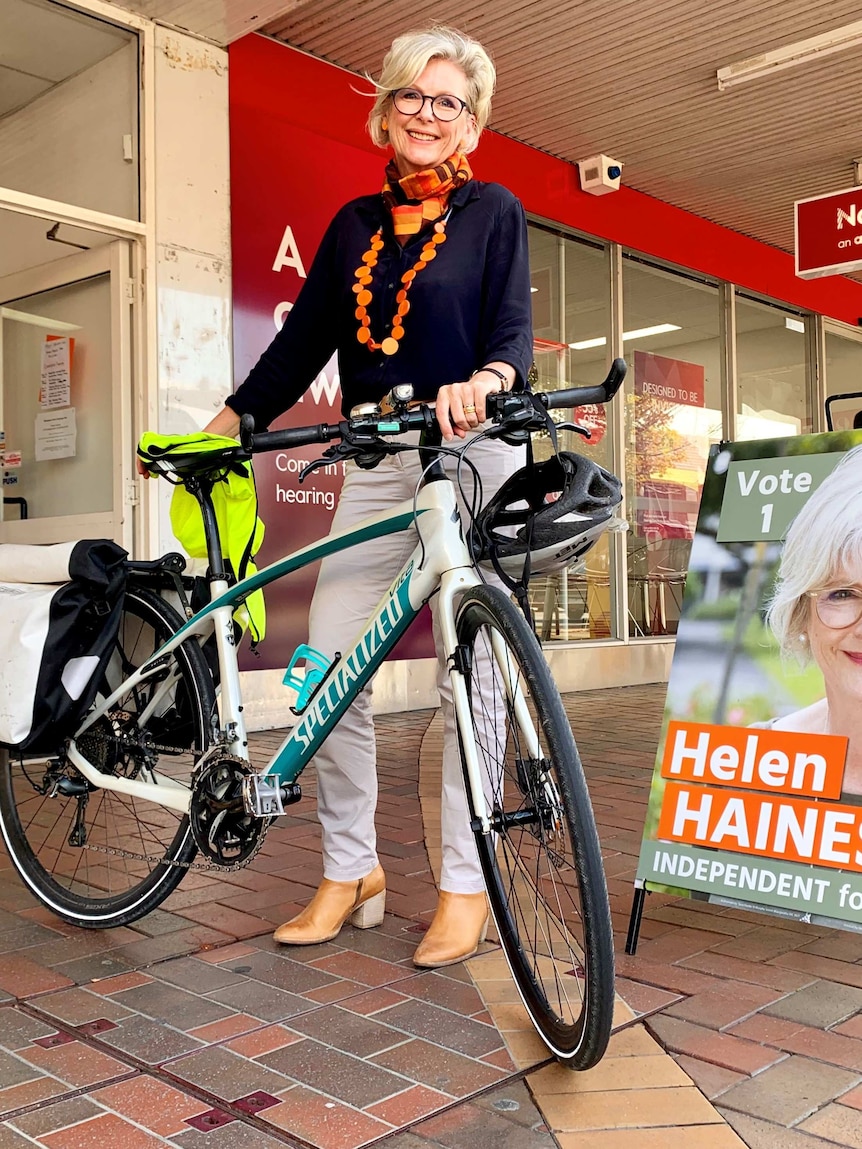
x,y
541,860
101,858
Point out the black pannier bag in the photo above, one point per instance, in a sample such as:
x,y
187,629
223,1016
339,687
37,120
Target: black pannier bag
x,y
58,638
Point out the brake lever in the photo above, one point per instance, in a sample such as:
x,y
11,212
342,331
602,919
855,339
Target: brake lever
x,y
515,418
330,455
587,434
518,415
367,449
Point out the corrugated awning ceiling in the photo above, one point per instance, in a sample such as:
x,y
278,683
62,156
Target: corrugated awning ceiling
x,y
637,81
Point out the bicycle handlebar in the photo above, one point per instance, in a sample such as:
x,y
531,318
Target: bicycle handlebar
x,y
500,407
584,396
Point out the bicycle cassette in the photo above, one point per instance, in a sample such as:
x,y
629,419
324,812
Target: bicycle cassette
x,y
223,831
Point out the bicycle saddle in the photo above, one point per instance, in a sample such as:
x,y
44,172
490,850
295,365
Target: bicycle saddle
x,y
186,455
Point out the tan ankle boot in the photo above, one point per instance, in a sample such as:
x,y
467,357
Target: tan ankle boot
x,y
362,902
459,925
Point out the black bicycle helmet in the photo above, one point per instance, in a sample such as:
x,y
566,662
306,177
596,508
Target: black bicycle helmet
x,y
555,531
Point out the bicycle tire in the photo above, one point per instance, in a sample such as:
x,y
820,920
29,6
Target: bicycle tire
x,y
542,859
88,885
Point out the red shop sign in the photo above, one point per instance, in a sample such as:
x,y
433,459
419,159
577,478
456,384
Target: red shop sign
x,y
595,420
829,234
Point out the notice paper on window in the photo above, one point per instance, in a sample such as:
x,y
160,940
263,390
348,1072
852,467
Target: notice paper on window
x,y
56,372
56,434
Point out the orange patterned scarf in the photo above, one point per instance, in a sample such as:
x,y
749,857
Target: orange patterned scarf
x,y
422,197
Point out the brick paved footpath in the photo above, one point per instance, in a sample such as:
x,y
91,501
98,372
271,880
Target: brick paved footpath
x,y
192,1029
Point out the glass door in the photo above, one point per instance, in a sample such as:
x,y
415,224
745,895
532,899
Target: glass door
x,y
65,399
843,348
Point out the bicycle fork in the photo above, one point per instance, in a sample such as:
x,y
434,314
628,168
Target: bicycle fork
x,y
452,584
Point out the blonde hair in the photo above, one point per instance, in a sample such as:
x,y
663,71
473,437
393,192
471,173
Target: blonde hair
x,y
408,58
823,541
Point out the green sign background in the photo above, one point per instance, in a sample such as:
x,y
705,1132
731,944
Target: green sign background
x,y
763,496
770,882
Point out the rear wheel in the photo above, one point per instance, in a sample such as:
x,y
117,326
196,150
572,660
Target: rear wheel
x,y
101,858
542,860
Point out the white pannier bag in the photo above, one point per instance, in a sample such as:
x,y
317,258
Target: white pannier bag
x,y
60,609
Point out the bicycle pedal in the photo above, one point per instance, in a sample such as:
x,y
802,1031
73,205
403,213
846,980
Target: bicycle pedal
x,y
261,799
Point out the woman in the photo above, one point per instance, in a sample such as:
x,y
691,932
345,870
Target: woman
x,y
816,609
425,283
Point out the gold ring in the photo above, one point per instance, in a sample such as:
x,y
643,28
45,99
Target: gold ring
x,y
469,407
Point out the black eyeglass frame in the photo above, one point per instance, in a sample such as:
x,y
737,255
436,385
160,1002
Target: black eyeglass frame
x,y
465,107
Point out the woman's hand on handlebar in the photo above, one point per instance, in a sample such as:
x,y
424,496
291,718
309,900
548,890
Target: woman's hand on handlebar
x,y
460,407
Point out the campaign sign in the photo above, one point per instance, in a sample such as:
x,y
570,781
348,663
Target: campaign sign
x,y
756,797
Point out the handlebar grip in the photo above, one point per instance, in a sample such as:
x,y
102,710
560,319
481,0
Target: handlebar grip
x,y
614,381
582,396
285,439
294,437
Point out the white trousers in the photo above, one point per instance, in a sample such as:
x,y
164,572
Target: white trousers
x,y
349,586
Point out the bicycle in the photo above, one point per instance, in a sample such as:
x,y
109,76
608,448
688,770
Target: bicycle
x,y
158,770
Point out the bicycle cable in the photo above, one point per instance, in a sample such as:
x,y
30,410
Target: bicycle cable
x,y
459,454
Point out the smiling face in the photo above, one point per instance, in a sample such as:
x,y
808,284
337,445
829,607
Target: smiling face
x,y
838,650
421,141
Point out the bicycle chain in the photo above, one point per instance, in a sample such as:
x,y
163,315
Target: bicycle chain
x,y
151,858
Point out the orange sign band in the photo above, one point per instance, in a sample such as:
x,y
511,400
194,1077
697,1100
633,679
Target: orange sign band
x,y
747,758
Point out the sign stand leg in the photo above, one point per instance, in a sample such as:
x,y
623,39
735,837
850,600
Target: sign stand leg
x,y
635,920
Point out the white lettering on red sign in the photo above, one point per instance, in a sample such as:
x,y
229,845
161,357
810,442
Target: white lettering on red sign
x,y
850,216
288,254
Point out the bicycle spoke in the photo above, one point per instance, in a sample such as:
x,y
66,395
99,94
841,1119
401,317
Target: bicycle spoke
x,y
96,856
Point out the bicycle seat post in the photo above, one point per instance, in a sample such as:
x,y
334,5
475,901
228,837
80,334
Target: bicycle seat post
x,y
201,488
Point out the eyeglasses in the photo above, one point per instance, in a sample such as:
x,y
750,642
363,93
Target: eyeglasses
x,y
838,607
410,101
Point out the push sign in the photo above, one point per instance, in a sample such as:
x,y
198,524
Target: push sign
x,y
829,234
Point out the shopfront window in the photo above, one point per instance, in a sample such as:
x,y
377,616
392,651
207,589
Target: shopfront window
x,y
673,413
65,365
68,107
571,320
844,377
771,352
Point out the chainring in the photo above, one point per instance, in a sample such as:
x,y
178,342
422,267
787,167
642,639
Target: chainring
x,y
223,831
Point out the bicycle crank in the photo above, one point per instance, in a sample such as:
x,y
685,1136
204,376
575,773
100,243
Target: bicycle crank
x,y
221,828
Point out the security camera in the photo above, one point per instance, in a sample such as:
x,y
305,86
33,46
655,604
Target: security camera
x,y
600,174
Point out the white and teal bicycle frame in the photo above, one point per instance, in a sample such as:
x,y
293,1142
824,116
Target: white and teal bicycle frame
x,y
529,806
440,562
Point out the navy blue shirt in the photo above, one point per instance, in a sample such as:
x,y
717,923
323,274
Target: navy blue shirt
x,y
469,306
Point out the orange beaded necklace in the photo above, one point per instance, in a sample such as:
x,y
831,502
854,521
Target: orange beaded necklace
x,y
414,200
363,293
